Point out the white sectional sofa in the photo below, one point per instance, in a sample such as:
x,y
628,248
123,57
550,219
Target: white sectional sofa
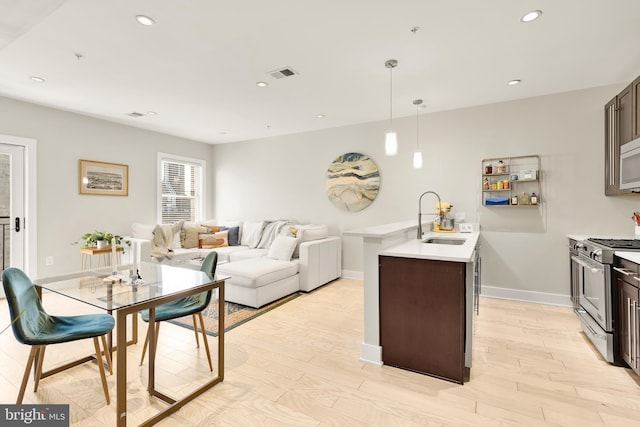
x,y
267,260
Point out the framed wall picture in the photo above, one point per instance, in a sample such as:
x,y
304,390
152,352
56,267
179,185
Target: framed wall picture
x,y
103,179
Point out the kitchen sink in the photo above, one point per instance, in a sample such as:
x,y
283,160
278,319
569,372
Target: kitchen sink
x,y
444,241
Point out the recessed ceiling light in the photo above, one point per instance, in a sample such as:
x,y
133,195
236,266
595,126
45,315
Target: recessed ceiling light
x,y
223,133
514,82
151,113
145,20
37,79
531,16
262,84
320,116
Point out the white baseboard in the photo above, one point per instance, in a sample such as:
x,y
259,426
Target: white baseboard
x,y
526,296
353,274
371,354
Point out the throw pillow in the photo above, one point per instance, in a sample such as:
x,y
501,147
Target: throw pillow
x,y
234,235
282,248
292,232
190,235
212,228
142,231
213,240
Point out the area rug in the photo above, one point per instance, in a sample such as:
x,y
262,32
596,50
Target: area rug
x,y
234,316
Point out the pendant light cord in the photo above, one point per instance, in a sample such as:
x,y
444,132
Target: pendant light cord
x,y
390,97
418,127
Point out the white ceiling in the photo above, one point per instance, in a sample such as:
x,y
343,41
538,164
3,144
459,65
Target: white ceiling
x,y
197,67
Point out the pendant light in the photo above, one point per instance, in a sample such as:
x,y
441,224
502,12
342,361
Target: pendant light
x,y
390,137
417,155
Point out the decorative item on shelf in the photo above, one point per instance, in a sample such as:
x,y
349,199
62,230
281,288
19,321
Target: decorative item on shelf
x,y
534,199
514,177
488,169
514,200
497,201
485,183
506,184
523,199
500,185
502,168
494,186
390,136
528,174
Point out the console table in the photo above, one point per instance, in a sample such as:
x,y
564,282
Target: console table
x,y
103,253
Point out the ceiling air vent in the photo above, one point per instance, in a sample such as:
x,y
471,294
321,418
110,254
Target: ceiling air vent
x,y
282,73
135,115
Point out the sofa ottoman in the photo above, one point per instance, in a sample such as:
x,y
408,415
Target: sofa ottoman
x,y
255,282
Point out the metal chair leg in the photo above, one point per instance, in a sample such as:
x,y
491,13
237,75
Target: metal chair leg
x,y
23,386
103,377
206,341
146,342
40,361
107,354
195,329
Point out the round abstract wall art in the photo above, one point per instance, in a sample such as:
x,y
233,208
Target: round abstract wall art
x,y
353,181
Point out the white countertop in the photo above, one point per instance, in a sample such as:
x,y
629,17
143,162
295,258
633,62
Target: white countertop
x,y
415,248
629,256
382,231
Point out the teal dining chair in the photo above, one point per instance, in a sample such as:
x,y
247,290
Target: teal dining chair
x,y
32,326
191,305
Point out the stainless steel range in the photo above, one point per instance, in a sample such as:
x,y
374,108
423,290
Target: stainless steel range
x,y
591,261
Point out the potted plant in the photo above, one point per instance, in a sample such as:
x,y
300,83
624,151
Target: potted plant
x,y
100,240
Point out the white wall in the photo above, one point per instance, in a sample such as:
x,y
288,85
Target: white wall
x,y
284,177
523,249
62,139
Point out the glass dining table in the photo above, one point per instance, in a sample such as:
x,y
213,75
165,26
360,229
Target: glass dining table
x,y
144,285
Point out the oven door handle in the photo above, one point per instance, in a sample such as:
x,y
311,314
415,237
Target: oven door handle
x,y
595,334
585,265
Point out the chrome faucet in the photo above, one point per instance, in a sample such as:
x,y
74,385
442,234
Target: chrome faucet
x,y
420,211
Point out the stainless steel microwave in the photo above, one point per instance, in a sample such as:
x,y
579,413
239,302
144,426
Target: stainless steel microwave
x,y
630,165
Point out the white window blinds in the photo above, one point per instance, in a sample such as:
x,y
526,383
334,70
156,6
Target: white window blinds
x,y
181,190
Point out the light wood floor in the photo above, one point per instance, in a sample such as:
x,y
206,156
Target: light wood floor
x,y
298,365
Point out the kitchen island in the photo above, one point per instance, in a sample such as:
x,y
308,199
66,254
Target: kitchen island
x,y
428,292
398,241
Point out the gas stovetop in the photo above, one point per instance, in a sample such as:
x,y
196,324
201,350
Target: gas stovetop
x,y
618,244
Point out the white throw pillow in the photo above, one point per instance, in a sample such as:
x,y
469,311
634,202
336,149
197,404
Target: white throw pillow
x,y
282,248
142,231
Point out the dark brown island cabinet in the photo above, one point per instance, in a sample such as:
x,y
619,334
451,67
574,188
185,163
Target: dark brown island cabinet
x,y
426,311
627,320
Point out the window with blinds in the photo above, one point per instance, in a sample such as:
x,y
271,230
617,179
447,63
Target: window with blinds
x,y
181,190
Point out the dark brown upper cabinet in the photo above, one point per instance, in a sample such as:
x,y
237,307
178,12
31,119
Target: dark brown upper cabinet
x,y
611,149
625,115
621,125
636,107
